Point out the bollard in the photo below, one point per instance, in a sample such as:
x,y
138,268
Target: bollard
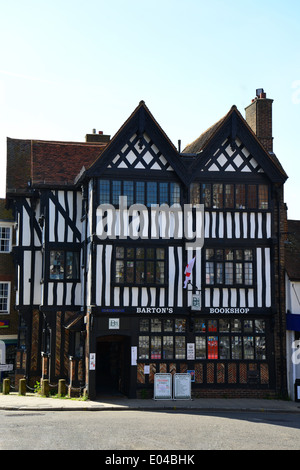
x,y
62,389
6,386
45,387
22,387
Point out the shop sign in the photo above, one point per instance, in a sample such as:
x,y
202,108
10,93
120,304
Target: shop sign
x,y
114,323
196,302
92,361
235,310
156,310
190,351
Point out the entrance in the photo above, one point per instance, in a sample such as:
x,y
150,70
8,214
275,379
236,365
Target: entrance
x,y
112,365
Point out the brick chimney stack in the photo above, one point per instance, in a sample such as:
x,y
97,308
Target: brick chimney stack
x,y
259,118
97,138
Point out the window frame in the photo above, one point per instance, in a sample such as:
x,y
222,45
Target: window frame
x,y
143,261
7,297
4,225
223,270
65,252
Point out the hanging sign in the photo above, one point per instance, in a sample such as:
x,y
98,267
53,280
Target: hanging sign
x,y
92,361
196,302
162,387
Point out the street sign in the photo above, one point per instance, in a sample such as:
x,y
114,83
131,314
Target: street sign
x,y
6,367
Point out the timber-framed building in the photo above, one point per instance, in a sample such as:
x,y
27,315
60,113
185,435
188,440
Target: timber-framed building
x,y
100,285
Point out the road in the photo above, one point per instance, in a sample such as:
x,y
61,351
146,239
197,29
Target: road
x,y
153,430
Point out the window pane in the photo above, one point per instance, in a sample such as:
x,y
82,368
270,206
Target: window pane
x,y
104,196
168,347
195,193
200,347
219,273
140,272
155,325
263,202
151,193
224,325
259,326
116,192
248,347
200,326
144,347
128,191
57,267
224,347
236,347
4,297
260,347
168,325
206,195
160,272
150,271
212,347
248,274
236,325
229,195
174,193
4,239
119,252
240,196
209,273
239,273
248,326
217,195
209,254
140,192
160,253
120,272
163,193
129,271
72,265
155,347
252,198
228,273
180,325
212,325
144,324
140,253
179,347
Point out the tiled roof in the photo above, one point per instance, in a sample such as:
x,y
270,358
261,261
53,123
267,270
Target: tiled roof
x,y
39,163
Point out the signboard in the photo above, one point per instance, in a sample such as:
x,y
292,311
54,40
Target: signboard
x,y
182,387
190,351
133,355
92,361
196,302
162,387
6,367
114,323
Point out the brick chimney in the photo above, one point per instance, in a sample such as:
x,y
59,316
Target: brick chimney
x,y
259,118
97,138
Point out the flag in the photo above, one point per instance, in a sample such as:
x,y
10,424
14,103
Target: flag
x,y
188,271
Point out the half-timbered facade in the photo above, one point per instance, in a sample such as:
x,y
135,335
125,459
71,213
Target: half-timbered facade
x,y
106,230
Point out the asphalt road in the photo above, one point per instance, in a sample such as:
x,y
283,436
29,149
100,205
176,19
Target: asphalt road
x,y
134,431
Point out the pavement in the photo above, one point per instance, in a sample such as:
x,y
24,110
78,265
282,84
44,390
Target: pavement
x,y
33,402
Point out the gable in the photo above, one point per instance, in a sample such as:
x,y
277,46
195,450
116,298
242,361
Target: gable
x,y
230,146
231,158
140,145
140,153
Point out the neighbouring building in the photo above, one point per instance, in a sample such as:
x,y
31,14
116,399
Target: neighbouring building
x,y
292,268
103,291
8,314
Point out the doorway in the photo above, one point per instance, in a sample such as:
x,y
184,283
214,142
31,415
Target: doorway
x,y
112,365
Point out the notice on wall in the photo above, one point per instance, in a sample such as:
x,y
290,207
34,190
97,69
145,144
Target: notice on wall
x,y
182,386
133,355
190,351
92,361
162,387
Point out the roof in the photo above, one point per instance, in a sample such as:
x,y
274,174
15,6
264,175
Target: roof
x,y
206,137
39,163
292,250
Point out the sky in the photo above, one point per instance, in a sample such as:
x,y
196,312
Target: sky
x,y
70,66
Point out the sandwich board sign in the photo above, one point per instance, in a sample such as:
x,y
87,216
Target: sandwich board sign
x,y
163,387
182,386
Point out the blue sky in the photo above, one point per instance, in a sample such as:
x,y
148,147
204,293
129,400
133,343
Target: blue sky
x,y
68,66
